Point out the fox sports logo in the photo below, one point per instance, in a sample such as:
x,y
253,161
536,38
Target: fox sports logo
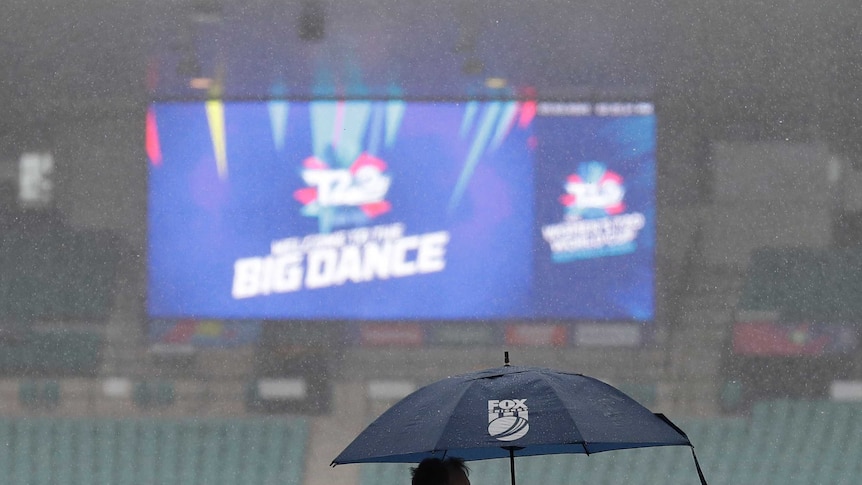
x,y
508,419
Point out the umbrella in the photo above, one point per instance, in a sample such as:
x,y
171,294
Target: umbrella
x,y
511,411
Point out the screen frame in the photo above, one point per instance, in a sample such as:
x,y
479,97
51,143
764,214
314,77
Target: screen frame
x,y
646,323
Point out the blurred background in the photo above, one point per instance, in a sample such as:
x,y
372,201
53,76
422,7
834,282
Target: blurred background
x,y
752,345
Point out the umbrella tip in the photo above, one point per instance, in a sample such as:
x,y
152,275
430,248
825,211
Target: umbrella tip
x,y
506,358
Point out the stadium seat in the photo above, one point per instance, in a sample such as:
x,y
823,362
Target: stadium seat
x,y
232,457
150,451
28,394
142,395
22,465
127,451
106,446
6,447
165,393
168,452
84,451
51,394
153,394
42,454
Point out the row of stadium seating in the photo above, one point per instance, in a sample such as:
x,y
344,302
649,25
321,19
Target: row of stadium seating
x,y
52,353
805,283
150,451
57,273
781,443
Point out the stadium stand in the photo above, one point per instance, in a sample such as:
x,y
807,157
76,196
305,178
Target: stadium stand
x,y
158,393
804,283
52,353
52,272
152,451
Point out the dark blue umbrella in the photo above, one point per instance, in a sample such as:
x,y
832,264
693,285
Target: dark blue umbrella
x,y
511,411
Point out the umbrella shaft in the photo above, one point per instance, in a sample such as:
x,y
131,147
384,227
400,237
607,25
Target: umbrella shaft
x,y
512,463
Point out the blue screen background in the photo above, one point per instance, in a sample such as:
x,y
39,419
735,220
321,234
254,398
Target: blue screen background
x,y
615,287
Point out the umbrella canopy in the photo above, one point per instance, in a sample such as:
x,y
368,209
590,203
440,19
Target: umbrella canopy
x,y
511,411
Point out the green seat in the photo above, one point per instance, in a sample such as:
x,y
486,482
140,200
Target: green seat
x,y
387,474
22,463
106,450
51,394
28,394
168,452
127,452
143,395
731,396
294,446
83,451
232,453
165,394
43,456
805,283
150,394
272,444
147,452
190,450
253,437
63,451
211,437
7,445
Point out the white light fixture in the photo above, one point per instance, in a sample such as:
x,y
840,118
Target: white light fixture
x,y
282,388
35,187
117,387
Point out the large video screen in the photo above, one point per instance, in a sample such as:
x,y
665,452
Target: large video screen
x,y
401,210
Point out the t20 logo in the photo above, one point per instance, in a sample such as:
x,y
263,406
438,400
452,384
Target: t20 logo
x,y
363,185
593,192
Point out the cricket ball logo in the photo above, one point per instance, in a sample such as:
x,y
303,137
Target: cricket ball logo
x,y
508,420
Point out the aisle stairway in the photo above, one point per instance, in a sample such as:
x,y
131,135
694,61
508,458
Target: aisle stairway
x,y
699,338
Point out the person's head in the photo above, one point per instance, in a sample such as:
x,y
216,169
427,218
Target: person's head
x,y
457,471
431,471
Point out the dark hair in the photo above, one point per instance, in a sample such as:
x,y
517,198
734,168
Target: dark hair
x,y
455,463
431,471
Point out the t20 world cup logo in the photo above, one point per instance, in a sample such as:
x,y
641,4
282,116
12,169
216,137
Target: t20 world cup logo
x,y
593,192
344,196
508,420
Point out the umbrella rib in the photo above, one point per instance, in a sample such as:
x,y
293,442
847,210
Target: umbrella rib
x,y
444,428
583,442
